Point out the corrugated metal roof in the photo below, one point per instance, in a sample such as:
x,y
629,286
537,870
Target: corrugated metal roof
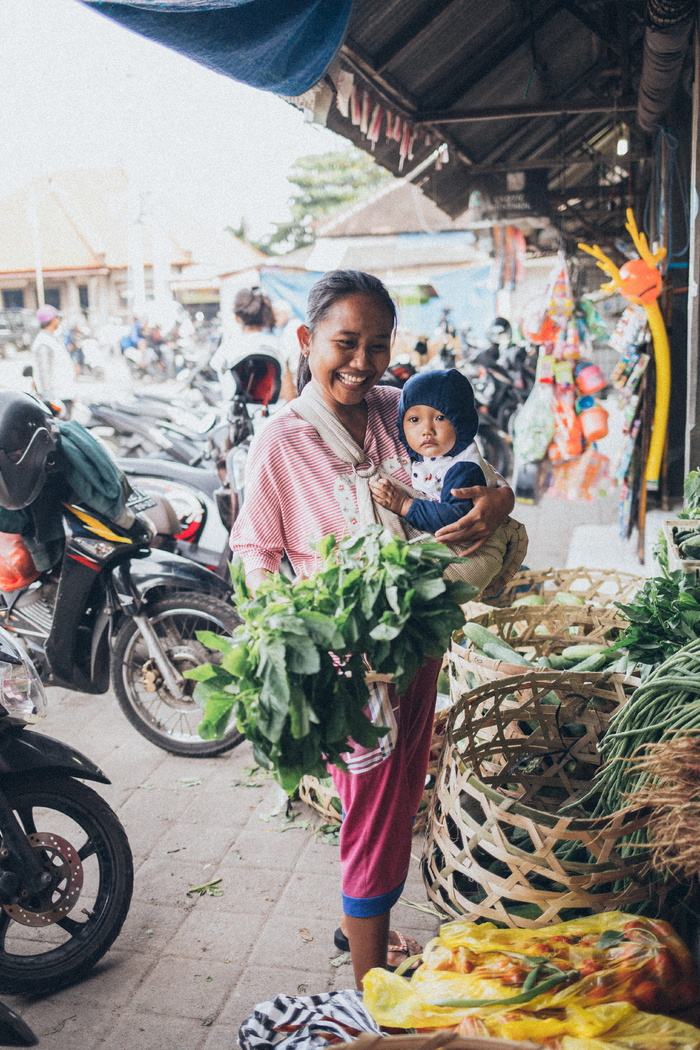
x,y
555,77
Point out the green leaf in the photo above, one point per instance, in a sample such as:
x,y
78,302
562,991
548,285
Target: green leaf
x,y
303,657
214,641
430,588
322,629
217,714
609,939
201,673
236,662
385,632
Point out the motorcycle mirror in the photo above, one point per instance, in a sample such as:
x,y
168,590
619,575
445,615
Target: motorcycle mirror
x,y
27,371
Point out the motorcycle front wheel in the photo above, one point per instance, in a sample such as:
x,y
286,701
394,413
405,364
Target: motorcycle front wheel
x,y
55,938
171,721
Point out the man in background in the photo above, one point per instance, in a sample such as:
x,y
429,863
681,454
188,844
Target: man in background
x,y
54,374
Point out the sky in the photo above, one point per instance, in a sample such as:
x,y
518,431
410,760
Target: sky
x,y
80,91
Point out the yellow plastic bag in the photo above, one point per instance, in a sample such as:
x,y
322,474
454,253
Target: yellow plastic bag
x,y
472,969
615,1026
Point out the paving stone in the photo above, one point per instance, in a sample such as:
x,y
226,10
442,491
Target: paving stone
x,y
264,846
316,896
318,858
258,984
164,880
182,987
115,979
254,889
150,927
296,941
61,1023
201,841
221,1037
146,1032
224,936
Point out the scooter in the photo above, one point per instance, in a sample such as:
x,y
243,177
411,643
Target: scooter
x,y
66,870
206,499
116,612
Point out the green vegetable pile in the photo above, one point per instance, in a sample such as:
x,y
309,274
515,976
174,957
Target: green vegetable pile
x,y
662,616
666,705
293,673
580,658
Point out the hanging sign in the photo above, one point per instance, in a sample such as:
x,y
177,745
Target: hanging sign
x,y
509,196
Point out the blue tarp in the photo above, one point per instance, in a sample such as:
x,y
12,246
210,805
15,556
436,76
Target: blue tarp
x,y
292,285
284,46
467,291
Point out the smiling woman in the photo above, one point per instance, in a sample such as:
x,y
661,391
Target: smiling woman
x,y
309,472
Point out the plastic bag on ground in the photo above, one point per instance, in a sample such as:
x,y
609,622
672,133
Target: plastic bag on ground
x,y
616,1026
584,963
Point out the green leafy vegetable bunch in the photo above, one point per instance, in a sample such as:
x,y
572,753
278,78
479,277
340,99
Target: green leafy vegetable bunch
x,y
293,673
663,616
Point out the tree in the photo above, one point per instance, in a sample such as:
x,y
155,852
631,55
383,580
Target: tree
x,y
324,183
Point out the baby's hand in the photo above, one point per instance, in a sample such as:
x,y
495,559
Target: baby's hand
x,y
389,495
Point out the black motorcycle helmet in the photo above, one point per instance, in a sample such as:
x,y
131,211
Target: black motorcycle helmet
x,y
28,442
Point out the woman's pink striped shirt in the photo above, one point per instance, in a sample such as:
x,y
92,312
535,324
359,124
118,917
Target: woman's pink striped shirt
x,y
297,490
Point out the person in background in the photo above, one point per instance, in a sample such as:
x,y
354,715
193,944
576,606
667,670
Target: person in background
x,y
256,322
286,325
54,374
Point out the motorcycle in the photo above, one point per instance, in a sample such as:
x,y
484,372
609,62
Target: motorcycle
x,y
117,612
194,509
502,385
140,429
207,499
66,870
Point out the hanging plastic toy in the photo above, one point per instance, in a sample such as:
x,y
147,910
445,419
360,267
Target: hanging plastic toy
x,y
639,281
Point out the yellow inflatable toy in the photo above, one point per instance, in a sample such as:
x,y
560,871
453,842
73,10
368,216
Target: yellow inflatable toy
x,y
640,281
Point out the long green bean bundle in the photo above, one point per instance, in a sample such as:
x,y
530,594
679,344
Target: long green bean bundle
x,y
667,704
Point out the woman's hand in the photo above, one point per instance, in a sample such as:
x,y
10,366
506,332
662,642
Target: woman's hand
x,y
491,508
254,578
389,495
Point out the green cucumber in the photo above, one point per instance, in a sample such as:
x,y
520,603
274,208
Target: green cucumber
x,y
493,646
477,634
591,663
498,650
580,652
529,599
567,598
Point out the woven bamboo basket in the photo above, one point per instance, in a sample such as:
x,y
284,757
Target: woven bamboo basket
x,y
533,631
597,586
498,846
322,797
436,1040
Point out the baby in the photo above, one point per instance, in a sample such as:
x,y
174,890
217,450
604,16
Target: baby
x,y
437,423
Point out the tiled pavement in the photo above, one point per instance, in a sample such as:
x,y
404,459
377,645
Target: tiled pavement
x,y
187,970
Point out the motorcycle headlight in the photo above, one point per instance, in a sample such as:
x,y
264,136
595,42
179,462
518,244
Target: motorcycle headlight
x,y
237,464
22,694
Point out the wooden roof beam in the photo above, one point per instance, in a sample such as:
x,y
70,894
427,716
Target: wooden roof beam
x,y
555,108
